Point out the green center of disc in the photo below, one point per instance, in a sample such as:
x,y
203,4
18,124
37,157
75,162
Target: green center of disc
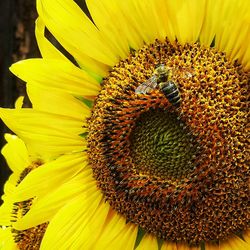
x,y
161,145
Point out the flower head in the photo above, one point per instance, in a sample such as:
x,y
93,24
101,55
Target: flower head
x,y
137,156
21,164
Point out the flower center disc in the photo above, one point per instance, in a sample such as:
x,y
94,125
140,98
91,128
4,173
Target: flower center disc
x,y
162,146
178,172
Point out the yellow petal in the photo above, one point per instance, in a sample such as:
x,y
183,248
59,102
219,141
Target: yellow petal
x,y
10,186
45,207
214,246
185,246
6,239
212,19
104,13
167,245
244,52
139,20
229,23
44,133
56,74
19,102
236,243
83,38
77,224
15,153
57,102
233,35
49,176
231,243
246,236
143,16
162,21
116,233
6,210
148,242
49,51
186,18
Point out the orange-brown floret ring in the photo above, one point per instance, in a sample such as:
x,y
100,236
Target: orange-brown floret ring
x,y
211,201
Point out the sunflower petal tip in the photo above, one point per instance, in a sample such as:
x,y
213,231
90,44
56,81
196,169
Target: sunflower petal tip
x,y
10,137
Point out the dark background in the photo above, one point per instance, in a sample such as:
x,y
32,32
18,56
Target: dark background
x,y
17,42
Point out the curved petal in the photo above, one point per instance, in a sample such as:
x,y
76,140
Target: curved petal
x,y
148,242
57,102
144,16
15,153
235,243
169,246
103,14
83,38
56,74
185,246
246,236
232,243
10,186
186,18
116,233
6,239
145,21
229,23
77,224
6,214
44,133
48,176
49,51
19,102
44,208
244,51
136,21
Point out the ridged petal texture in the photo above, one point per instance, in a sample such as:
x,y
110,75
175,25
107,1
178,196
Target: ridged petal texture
x,y
45,133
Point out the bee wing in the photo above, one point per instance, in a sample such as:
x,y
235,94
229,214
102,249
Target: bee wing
x,y
147,86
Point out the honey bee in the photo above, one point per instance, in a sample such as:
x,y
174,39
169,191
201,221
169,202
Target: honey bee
x,y
162,78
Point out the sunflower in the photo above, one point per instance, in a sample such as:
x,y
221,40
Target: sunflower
x,y
20,163
137,159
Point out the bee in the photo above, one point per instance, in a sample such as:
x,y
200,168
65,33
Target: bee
x,y
162,78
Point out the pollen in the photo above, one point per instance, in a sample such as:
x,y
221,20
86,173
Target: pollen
x,y
31,238
180,173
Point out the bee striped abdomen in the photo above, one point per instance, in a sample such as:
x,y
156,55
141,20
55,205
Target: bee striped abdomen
x,y
171,92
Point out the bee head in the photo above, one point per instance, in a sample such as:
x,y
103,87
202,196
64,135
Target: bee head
x,y
163,71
